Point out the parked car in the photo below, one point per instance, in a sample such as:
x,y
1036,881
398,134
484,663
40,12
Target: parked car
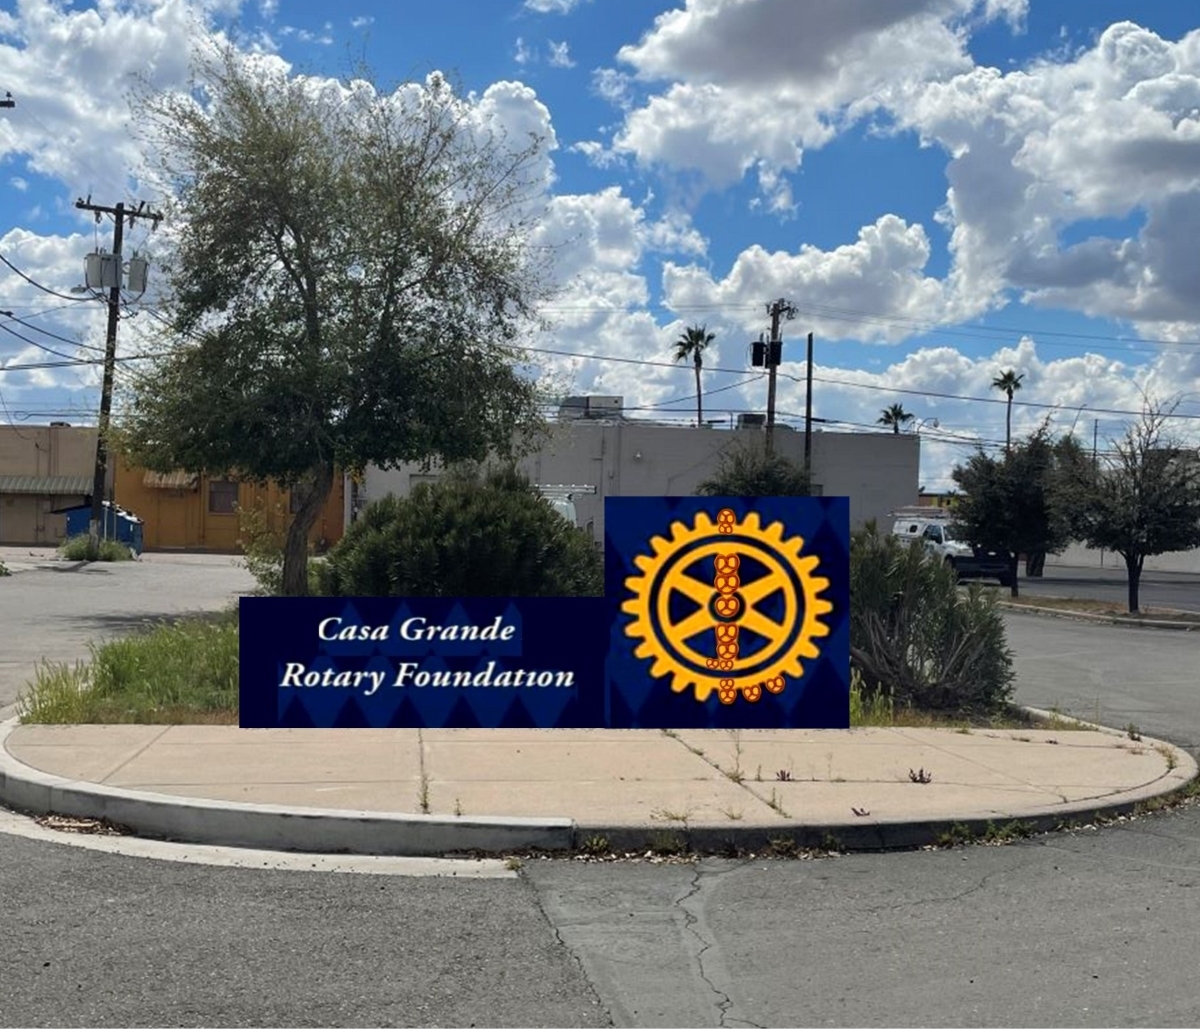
x,y
945,541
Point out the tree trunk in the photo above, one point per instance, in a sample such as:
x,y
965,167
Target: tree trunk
x,y
1133,567
1013,567
1008,427
699,399
1035,563
295,549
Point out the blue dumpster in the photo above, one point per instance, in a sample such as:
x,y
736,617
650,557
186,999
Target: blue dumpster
x,y
115,524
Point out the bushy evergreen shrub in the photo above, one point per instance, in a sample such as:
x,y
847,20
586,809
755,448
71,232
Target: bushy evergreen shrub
x,y
915,635
468,535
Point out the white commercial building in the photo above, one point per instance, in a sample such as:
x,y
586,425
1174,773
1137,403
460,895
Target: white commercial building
x,y
592,446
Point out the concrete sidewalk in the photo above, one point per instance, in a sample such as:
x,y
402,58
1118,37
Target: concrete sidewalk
x,y
433,792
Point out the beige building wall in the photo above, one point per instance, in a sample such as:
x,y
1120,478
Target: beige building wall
x,y
41,453
878,472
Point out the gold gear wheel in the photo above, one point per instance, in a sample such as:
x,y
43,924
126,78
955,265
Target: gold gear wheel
x,y
665,572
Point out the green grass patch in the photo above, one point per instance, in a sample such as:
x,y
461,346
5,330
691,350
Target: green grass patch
x,y
879,709
180,672
84,549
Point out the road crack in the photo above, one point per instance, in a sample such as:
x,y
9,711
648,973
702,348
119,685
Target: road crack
x,y
707,966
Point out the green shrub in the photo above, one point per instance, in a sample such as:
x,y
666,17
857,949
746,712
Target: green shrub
x,y
916,636
4,570
468,535
84,548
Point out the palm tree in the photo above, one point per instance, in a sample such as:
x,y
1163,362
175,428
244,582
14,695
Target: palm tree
x,y
691,345
894,416
1008,382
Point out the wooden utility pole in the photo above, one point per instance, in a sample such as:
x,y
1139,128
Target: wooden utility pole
x,y
808,419
119,213
780,309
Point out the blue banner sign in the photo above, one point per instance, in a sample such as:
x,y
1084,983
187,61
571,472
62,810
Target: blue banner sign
x,y
718,612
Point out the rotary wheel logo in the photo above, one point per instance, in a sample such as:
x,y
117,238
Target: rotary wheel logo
x,y
727,607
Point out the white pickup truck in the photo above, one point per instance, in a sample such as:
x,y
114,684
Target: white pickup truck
x,y
966,559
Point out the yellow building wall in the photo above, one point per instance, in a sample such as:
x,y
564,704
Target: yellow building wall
x,y
179,518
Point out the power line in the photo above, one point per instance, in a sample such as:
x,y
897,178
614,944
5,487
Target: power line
x,y
850,383
833,381
76,362
44,289
47,333
33,343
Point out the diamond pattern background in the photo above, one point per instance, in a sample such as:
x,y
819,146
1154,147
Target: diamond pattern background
x,y
612,688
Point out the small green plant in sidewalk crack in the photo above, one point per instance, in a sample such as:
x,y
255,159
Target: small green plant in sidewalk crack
x,y
958,834
921,776
1014,830
595,845
1168,754
783,846
1133,732
667,843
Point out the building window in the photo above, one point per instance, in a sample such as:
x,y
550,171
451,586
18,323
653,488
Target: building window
x,y
222,497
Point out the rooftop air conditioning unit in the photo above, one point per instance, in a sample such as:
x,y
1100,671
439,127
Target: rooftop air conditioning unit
x,y
602,406
748,419
573,408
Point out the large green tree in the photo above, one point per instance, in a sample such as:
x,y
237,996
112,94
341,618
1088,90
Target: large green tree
x,y
1143,501
691,346
349,281
1012,502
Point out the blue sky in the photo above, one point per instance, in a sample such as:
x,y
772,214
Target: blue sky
x,y
943,188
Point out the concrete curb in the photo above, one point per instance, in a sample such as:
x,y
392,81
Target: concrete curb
x,y
1093,617
210,822
246,825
